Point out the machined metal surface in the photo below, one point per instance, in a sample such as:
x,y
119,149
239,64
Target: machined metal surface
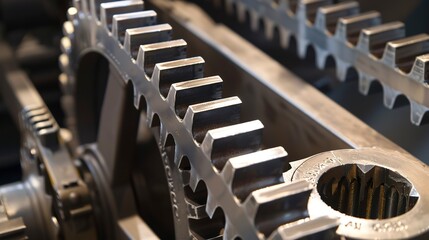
x,y
377,194
160,147
216,37
378,52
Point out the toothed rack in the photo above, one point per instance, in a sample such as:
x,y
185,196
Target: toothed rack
x,y
378,52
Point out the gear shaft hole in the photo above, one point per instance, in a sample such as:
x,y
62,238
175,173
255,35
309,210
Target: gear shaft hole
x,y
367,191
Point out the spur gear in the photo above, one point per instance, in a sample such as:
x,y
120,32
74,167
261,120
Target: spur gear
x,y
360,41
162,154
220,182
376,193
51,201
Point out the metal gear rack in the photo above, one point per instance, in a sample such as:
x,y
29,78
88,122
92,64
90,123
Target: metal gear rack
x,y
377,51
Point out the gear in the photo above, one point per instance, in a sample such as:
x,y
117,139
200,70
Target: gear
x,y
359,41
52,200
220,182
376,193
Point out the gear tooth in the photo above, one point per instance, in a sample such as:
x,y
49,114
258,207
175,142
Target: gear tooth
x,y
164,137
112,8
319,228
217,4
64,63
309,9
210,206
321,57
209,228
171,72
40,118
77,4
64,83
290,5
179,158
400,53
195,210
122,22
86,6
68,29
140,100
186,176
196,201
203,117
184,166
184,94
285,36
93,6
241,12
152,118
269,29
72,13
247,173
302,47
348,28
228,233
229,6
373,39
420,69
223,143
418,113
288,175
193,179
151,54
283,4
254,20
365,83
135,37
277,205
65,45
389,96
341,70
327,16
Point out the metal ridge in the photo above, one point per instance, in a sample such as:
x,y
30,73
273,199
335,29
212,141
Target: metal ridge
x,y
378,52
